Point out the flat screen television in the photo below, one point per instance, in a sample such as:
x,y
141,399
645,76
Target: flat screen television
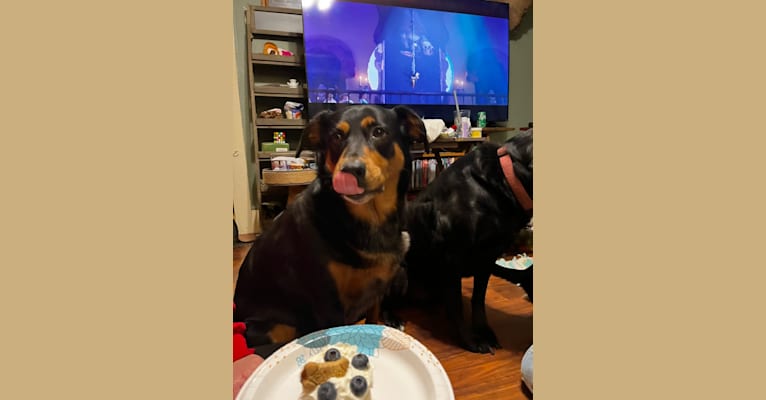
x,y
424,54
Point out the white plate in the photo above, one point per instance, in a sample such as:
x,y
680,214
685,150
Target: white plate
x,y
519,262
403,368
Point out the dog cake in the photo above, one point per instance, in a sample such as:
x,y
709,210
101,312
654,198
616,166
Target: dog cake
x,y
337,372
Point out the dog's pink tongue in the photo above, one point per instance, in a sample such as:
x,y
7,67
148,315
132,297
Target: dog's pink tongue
x,y
345,183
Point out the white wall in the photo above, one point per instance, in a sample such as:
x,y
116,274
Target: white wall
x,y
520,100
520,78
240,48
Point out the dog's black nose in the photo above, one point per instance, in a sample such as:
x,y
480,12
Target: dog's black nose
x,y
355,168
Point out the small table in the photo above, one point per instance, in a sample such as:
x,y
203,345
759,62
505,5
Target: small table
x,y
295,180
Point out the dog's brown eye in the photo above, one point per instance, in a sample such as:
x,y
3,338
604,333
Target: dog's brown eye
x,y
338,136
378,132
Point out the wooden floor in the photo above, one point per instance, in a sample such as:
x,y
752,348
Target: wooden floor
x,y
473,376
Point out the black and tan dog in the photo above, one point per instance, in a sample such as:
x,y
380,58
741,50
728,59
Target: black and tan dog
x,y
466,219
332,255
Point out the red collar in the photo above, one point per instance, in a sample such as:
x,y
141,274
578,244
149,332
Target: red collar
x,y
516,186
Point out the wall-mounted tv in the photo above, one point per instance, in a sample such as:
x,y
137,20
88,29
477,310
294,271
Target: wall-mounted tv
x,y
424,54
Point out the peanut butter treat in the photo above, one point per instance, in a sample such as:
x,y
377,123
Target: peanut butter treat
x,y
314,374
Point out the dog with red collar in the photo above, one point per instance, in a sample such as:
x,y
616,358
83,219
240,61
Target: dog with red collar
x,y
466,219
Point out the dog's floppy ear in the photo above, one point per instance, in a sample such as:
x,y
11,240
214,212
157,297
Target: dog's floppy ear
x,y
312,139
520,147
412,125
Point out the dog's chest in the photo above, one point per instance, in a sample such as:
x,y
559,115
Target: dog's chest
x,y
360,289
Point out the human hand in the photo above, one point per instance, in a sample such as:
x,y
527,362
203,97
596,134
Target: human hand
x,y
243,368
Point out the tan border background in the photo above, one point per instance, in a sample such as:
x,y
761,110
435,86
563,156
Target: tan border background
x,y
117,182
116,175
649,200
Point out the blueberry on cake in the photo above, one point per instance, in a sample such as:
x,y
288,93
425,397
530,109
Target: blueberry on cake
x,y
338,372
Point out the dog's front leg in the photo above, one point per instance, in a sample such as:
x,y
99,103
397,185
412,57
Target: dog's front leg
x,y
485,336
394,299
453,301
373,314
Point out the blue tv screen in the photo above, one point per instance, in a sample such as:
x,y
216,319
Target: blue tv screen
x,y
359,52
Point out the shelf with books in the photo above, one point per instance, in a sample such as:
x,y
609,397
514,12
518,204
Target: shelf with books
x,y
443,153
